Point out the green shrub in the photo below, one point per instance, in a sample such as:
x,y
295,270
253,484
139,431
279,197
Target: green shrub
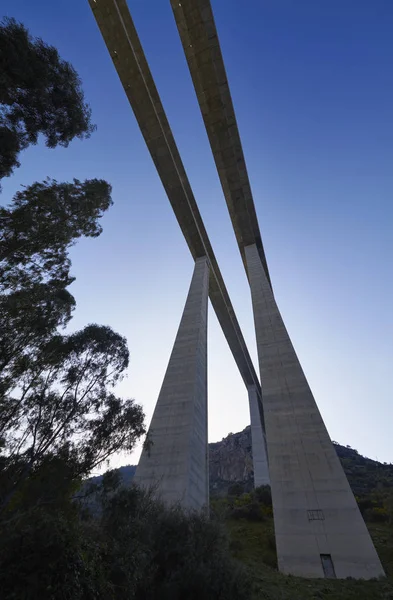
x,y
177,555
376,515
236,489
263,495
131,547
252,511
46,555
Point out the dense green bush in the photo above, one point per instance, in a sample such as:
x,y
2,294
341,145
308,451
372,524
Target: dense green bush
x,y
175,555
376,514
251,511
253,506
47,555
263,495
235,490
131,547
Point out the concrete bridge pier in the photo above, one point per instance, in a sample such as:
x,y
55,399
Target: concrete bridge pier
x,y
319,529
175,460
258,440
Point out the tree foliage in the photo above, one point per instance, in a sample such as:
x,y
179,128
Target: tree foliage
x,y
40,93
36,232
132,548
63,407
41,223
56,391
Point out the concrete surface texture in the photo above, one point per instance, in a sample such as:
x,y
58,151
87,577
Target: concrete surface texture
x,y
175,461
121,39
319,529
316,517
198,33
258,440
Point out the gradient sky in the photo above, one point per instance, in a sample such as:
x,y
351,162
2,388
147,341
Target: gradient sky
x,y
312,86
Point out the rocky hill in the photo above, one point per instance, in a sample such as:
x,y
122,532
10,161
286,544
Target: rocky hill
x,y
231,463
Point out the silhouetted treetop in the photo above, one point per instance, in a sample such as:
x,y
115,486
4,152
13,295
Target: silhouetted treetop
x,y
39,93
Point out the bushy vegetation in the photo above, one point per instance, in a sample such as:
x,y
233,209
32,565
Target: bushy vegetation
x,y
365,475
251,506
127,545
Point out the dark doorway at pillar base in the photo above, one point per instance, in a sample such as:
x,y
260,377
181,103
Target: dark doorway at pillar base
x,y
328,566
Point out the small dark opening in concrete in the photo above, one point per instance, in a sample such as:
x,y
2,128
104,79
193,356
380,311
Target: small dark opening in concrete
x,y
328,566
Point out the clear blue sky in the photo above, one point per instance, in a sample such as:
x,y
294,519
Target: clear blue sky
x,y
312,85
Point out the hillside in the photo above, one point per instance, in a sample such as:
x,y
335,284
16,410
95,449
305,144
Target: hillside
x,y
252,543
230,462
247,516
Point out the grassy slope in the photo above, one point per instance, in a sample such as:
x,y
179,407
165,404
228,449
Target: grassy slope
x,y
253,544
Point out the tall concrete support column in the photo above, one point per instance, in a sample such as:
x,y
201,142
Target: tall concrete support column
x,y
176,460
319,529
259,454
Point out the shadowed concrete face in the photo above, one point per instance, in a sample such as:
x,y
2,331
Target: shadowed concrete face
x,y
258,441
176,461
315,512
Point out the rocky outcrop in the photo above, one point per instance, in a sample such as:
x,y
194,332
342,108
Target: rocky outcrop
x,y
230,461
